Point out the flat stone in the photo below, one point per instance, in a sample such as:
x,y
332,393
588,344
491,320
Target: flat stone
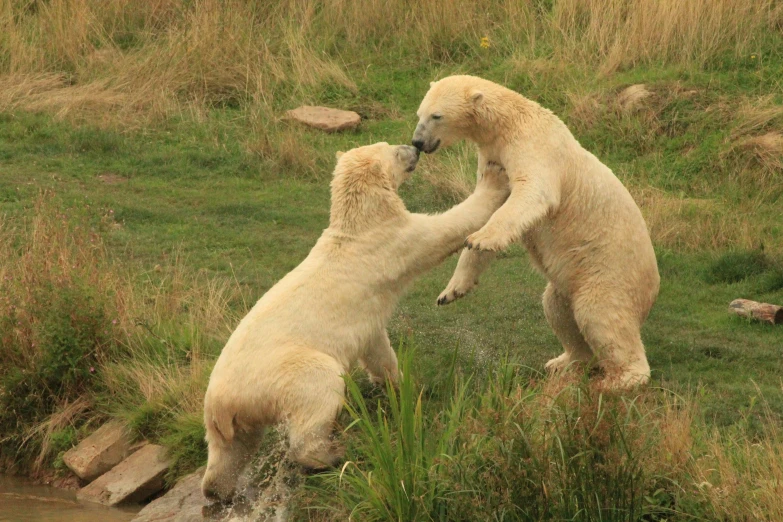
x,y
184,503
326,119
99,452
135,479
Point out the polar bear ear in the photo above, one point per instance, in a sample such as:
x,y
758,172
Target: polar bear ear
x,y
338,154
476,96
432,83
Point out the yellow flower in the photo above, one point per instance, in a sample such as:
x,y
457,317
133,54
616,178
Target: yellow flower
x,y
753,57
484,42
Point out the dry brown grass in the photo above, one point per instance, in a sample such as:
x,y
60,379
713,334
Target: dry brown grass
x,y
632,96
692,224
754,148
137,337
757,162
48,252
178,388
122,60
617,34
454,174
741,478
176,320
65,415
178,58
59,248
755,116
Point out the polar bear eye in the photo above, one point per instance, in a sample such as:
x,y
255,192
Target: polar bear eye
x,y
436,116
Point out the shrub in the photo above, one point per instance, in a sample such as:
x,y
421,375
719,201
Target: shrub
x,y
82,340
56,323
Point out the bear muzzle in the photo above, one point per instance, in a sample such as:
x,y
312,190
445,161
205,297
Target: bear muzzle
x,y
428,147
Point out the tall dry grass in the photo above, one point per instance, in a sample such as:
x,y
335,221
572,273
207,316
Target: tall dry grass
x,y
83,337
126,60
615,33
688,224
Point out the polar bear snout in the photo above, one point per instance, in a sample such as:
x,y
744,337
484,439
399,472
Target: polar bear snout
x,y
409,155
428,146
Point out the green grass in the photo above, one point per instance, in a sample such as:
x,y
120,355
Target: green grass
x,y
235,216
511,448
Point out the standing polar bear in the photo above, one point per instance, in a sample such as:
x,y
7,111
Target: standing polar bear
x,y
285,360
578,222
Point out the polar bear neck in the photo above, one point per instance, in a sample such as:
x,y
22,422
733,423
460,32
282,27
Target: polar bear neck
x,y
504,117
358,207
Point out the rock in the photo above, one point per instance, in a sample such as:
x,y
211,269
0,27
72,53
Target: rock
x,y
99,452
133,480
182,504
326,119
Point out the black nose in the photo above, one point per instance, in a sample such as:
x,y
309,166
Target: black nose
x,y
419,144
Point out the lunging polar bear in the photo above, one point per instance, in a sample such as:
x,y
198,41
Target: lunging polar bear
x,y
578,222
285,361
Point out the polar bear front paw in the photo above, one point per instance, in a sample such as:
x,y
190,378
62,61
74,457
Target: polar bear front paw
x,y
455,290
488,239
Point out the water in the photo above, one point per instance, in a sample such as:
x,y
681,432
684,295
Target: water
x,y
23,501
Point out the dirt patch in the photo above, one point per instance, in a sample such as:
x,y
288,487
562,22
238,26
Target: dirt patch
x,y
111,178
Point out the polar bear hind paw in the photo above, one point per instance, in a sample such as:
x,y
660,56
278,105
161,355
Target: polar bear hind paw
x,y
558,364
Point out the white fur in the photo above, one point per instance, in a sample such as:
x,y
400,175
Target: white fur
x,y
286,359
580,225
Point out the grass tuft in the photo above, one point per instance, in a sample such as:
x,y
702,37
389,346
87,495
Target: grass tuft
x,y
515,449
733,267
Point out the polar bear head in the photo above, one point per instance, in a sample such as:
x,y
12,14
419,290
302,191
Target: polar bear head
x,y
457,108
365,183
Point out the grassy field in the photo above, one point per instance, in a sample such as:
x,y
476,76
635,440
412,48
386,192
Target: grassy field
x,y
152,191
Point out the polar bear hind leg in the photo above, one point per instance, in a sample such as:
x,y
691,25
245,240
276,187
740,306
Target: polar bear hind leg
x,y
313,409
614,338
560,316
227,460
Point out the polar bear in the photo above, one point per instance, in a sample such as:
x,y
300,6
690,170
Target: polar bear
x,y
286,359
580,225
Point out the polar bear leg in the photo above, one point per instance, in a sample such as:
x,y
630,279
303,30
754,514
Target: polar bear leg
x,y
313,409
227,459
560,316
380,361
615,340
470,266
